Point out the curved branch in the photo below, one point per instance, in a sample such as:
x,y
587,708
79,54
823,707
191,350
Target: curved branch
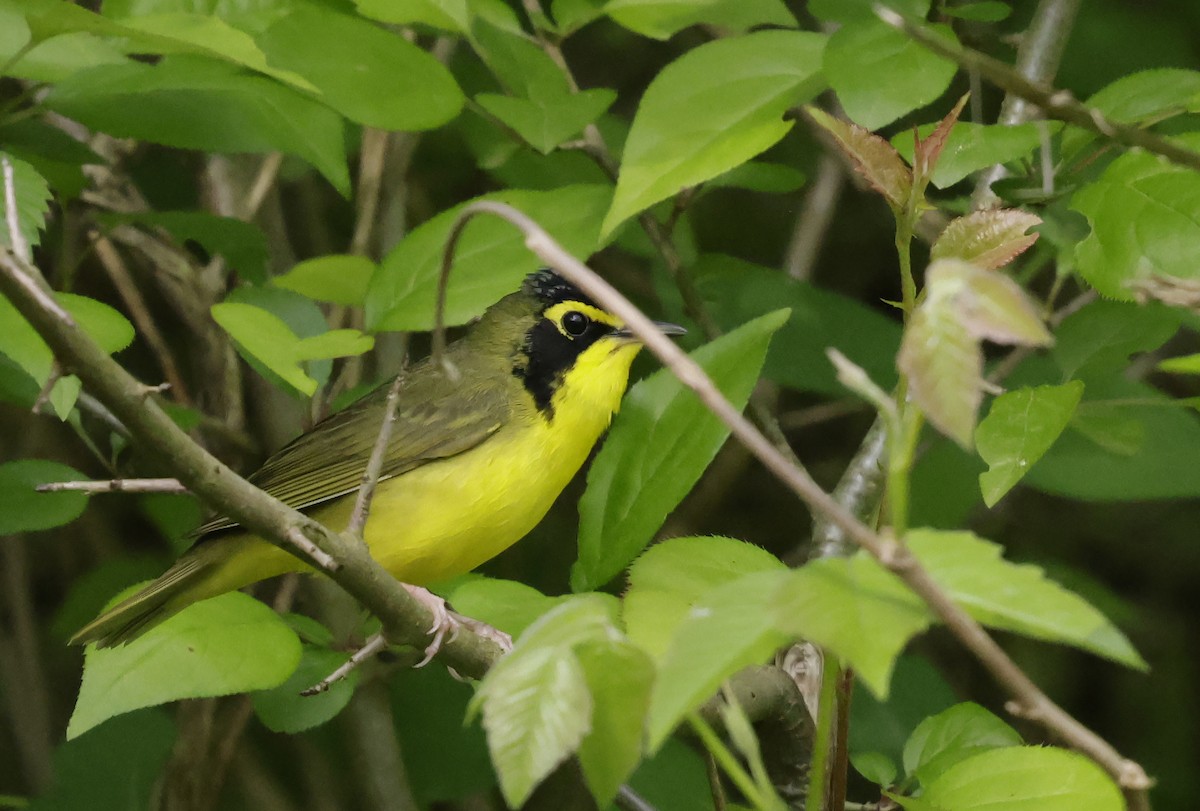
x,y
1057,104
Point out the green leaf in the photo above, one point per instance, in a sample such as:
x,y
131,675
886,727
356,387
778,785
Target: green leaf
x,y
671,577
875,766
872,156
953,735
944,366
165,30
881,74
661,19
737,291
729,628
855,608
1102,336
941,353
547,121
988,239
241,243
196,103
212,36
490,262
1025,778
283,709
448,15
917,691
619,677
227,644
1016,597
21,343
1148,96
504,604
32,198
1128,443
337,343
972,147
535,716
657,450
1019,429
368,74
23,509
1145,219
113,768
336,278
712,109
268,339
537,706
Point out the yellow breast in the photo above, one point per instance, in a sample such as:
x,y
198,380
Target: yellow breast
x,y
447,517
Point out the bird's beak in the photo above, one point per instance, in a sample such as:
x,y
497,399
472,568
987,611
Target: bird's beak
x,y
662,326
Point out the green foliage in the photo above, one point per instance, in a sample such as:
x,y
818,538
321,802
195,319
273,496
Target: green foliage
x,y
228,644
667,138
490,262
1025,778
879,74
270,341
1019,429
23,509
635,481
715,108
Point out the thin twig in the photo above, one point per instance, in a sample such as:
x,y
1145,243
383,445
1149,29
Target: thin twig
x,y
371,647
118,273
1057,104
115,486
370,478
43,395
893,555
13,217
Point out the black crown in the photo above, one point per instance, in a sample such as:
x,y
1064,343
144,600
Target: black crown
x,y
552,289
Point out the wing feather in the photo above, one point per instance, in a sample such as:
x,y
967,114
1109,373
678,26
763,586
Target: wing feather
x,y
434,420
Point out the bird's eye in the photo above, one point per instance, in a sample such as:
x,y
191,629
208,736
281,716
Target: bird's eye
x,y
575,323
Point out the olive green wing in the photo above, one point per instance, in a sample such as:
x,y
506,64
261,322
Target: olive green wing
x,y
434,420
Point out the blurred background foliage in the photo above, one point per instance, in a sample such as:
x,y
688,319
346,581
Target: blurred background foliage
x,y
1125,539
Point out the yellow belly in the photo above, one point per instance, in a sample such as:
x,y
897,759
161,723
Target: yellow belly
x,y
447,517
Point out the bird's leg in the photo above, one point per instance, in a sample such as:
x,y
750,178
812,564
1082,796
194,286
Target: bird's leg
x,y
445,622
448,621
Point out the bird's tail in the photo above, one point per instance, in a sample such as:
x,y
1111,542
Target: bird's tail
x,y
209,569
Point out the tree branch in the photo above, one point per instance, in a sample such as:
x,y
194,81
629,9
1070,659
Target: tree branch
x,y
1057,104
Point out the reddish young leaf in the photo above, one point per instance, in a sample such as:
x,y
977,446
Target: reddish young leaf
x,y
874,158
927,152
986,239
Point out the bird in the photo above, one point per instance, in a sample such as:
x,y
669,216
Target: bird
x,y
482,445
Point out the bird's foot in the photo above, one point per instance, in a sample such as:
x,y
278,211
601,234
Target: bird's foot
x,y
447,623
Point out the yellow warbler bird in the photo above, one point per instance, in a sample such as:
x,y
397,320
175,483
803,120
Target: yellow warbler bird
x,y
474,462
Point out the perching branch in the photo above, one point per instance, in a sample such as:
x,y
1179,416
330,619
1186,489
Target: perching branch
x,y
1028,700
404,620
1057,104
